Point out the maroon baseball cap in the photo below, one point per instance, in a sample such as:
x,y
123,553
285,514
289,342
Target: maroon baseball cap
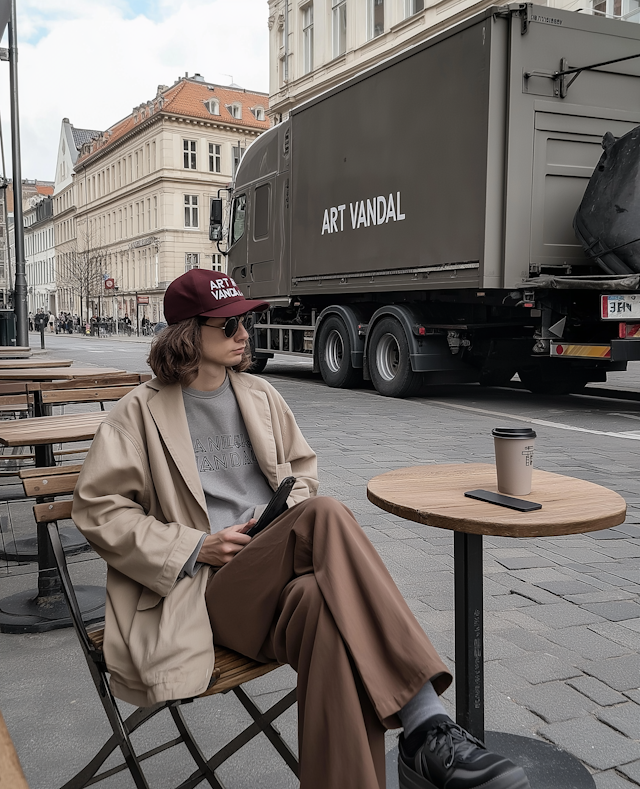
x,y
210,294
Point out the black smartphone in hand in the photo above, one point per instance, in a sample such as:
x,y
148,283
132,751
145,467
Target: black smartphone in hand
x,y
275,507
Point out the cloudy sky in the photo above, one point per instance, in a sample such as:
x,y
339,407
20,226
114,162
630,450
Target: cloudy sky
x,y
92,61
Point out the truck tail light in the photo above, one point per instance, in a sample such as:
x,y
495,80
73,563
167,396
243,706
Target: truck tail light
x,y
626,331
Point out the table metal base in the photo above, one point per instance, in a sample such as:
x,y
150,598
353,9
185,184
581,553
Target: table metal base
x,y
27,612
26,548
546,766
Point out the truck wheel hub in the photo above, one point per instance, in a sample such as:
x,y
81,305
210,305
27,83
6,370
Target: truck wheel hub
x,y
334,351
388,357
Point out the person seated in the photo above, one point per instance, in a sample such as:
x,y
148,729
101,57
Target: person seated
x,y
177,472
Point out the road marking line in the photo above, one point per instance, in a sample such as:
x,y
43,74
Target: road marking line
x,y
631,435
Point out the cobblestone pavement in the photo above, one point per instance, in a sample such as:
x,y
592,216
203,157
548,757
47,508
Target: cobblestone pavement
x,y
562,615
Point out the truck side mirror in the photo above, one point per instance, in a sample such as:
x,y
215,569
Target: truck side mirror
x,y
215,221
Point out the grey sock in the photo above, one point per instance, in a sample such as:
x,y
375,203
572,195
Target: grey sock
x,y
424,705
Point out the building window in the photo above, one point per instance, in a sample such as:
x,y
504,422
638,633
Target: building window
x,y
235,110
148,213
153,155
216,262
191,260
191,210
215,158
137,158
189,153
213,106
628,10
375,18
155,212
258,113
307,39
339,26
412,7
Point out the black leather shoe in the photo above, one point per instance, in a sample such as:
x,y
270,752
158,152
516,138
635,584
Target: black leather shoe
x,y
450,758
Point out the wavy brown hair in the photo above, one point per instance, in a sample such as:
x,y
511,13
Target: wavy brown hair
x,y
176,352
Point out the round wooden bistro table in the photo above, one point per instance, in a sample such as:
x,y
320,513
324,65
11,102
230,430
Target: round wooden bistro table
x,y
434,495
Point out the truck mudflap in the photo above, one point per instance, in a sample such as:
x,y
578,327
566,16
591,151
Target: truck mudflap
x,y
615,351
606,223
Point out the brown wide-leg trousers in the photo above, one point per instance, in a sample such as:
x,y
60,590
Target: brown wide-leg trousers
x,y
311,591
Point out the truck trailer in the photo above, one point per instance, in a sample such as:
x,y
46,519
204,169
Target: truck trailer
x,y
415,224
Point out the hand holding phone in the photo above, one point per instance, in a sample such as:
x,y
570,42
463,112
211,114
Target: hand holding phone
x,y
275,507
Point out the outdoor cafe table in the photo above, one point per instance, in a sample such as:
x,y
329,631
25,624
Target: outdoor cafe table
x,y
21,364
434,495
37,611
14,351
38,375
56,373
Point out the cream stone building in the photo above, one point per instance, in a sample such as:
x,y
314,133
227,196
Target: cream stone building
x,y
140,203
316,44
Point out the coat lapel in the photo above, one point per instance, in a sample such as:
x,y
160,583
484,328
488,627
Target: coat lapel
x,y
167,410
254,407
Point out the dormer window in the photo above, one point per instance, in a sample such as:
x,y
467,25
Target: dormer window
x,y
259,113
213,106
235,110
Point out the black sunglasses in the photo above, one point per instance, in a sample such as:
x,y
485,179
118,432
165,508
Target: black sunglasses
x,y
231,325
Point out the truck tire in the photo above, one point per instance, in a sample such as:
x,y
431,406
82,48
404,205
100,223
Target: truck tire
x,y
334,355
389,364
258,363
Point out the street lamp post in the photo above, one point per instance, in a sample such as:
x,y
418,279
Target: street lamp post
x,y
20,303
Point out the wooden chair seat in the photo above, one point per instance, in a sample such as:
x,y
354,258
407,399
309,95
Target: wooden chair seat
x,y
231,668
11,774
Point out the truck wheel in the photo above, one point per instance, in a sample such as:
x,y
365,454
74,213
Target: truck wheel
x,y
334,355
258,363
389,364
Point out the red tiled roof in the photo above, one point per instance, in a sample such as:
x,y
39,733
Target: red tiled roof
x,y
187,98
41,189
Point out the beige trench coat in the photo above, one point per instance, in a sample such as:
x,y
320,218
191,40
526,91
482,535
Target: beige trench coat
x,y
140,504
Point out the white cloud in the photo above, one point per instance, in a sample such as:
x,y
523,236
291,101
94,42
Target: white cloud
x,y
94,61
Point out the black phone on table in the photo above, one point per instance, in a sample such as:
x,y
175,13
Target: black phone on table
x,y
503,501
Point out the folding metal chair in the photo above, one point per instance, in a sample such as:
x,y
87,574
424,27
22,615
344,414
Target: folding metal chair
x,y
231,671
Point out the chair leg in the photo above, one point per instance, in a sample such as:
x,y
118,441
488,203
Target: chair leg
x,y
194,749
265,721
134,721
262,723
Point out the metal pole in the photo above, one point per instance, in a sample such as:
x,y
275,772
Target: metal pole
x,y
20,304
469,632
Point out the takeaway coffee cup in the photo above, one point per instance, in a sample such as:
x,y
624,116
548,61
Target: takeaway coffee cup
x,y
514,459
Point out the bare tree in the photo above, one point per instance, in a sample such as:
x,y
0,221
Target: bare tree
x,y
81,267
